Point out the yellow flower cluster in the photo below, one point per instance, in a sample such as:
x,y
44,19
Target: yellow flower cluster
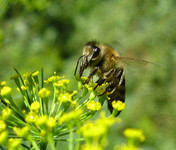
x,y
94,106
118,105
45,122
134,133
73,115
5,90
22,132
43,93
55,78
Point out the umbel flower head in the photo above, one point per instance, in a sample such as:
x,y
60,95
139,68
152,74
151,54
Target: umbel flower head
x,y
51,113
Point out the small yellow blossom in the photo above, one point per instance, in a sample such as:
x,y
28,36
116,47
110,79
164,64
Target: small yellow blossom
x,y
3,83
94,106
54,78
126,147
66,97
134,133
23,88
5,90
89,130
35,73
43,132
5,113
2,125
42,120
14,143
73,115
51,122
21,132
31,117
3,137
27,74
35,106
91,147
119,105
44,93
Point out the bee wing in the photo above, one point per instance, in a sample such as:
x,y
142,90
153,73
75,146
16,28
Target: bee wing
x,y
123,61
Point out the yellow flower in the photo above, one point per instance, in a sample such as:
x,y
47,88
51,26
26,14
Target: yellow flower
x,y
35,73
89,130
54,78
134,133
27,74
43,93
2,125
14,143
126,147
35,106
119,105
31,117
21,132
73,115
65,97
5,113
94,106
91,147
42,120
3,83
5,90
3,137
51,122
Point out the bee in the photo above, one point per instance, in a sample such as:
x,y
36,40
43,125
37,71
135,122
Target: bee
x,y
103,60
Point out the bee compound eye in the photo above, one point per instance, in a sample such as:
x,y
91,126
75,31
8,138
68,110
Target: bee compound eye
x,y
96,51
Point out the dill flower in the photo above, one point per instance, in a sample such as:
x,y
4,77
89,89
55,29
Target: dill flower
x,y
51,122
5,90
3,137
66,97
126,147
35,106
21,132
44,93
94,106
91,147
54,78
119,105
6,113
89,130
3,83
35,73
134,133
27,74
42,120
31,117
73,115
2,125
14,143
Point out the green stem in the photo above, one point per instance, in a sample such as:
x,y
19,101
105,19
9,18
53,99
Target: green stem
x,y
53,103
71,139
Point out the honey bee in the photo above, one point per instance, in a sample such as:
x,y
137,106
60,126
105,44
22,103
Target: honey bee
x,y
103,60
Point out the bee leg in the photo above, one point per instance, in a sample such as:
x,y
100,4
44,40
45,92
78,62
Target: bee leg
x,y
101,80
93,72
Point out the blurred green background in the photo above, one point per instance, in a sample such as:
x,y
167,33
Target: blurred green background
x,y
51,34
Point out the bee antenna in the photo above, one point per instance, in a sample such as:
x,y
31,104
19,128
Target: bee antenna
x,y
141,60
77,64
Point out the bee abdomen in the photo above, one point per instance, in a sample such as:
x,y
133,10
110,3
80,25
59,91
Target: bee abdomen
x,y
116,91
